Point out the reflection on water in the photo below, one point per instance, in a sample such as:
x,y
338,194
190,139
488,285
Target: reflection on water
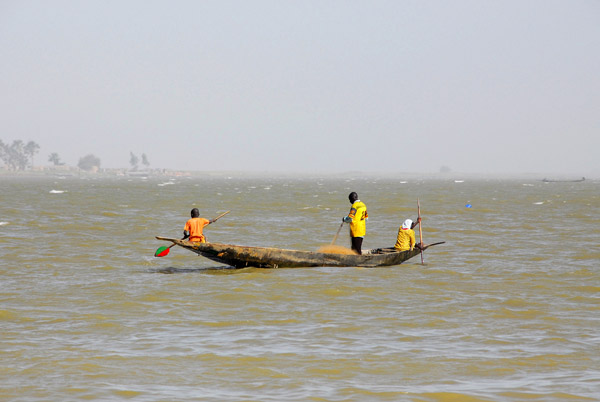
x,y
506,309
175,270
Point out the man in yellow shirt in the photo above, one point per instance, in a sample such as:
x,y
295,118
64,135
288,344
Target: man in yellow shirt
x,y
193,227
357,218
406,235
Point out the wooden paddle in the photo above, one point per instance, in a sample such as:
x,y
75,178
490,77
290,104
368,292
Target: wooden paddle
x,y
420,230
163,251
220,216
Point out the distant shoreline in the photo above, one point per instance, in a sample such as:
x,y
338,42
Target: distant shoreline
x,y
52,173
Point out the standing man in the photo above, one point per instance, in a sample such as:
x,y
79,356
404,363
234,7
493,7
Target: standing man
x,y
357,218
193,227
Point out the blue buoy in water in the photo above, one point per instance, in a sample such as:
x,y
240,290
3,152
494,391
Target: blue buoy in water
x,y
469,206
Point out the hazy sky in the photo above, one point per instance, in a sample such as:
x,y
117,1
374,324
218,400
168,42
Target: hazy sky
x,y
306,86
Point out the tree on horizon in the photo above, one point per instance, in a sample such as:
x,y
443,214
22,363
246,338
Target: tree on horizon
x,y
18,154
55,159
145,161
88,162
133,161
30,150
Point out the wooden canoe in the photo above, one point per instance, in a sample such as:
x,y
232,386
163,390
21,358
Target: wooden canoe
x,y
268,257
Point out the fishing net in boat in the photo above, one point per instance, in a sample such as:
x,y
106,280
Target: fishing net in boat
x,y
333,249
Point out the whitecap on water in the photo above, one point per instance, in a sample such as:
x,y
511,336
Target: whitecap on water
x,y
56,191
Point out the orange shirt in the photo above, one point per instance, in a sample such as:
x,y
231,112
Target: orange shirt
x,y
194,226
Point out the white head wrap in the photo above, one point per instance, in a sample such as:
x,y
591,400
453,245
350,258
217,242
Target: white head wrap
x,y
407,224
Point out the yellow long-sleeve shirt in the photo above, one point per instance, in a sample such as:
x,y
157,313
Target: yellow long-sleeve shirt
x,y
358,214
406,240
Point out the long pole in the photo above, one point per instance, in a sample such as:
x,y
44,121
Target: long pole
x,y
222,215
420,229
336,235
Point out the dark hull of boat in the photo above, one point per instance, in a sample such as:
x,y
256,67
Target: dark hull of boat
x,y
267,257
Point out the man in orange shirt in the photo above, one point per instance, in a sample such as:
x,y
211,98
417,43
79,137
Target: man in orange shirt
x,y
193,227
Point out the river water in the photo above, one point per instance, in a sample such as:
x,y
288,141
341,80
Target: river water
x,y
508,309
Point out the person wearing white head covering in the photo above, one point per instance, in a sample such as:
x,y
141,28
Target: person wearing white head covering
x,y
406,235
